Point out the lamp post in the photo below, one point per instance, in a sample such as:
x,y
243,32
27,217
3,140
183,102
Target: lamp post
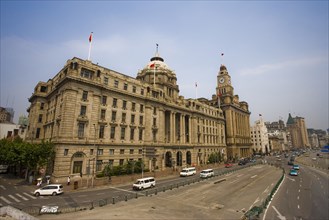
x,y
95,158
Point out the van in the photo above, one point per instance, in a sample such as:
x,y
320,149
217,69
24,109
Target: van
x,y
144,183
207,173
52,189
190,171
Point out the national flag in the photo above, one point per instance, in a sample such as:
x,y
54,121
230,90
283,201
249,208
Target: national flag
x,y
222,54
152,65
196,85
260,115
90,37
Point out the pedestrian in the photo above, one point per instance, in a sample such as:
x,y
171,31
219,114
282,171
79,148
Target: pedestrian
x,y
48,181
68,180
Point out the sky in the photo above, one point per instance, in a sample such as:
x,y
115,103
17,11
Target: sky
x,y
276,52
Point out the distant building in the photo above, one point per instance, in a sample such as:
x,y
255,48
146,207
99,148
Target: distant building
x,y
5,116
317,138
259,137
11,113
275,126
23,120
298,133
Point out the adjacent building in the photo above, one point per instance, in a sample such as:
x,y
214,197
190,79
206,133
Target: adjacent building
x,y
259,137
96,116
298,132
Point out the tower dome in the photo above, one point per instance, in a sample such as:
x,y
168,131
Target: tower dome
x,y
157,62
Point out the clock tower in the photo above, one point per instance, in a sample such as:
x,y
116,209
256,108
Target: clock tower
x,y
237,116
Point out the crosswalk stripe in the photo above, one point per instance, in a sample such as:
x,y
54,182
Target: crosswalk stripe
x,y
22,197
11,196
32,197
4,199
3,187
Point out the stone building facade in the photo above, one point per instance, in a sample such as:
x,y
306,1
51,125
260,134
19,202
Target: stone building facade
x,y
237,117
298,132
259,137
96,116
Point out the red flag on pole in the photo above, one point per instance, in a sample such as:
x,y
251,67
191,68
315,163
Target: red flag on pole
x,y
90,37
152,65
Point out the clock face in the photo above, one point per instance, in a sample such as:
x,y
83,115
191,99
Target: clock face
x,y
221,80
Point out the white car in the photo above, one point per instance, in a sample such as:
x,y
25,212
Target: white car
x,y
207,173
52,189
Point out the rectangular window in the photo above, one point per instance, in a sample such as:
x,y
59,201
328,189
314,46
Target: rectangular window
x,y
101,131
124,104
42,105
122,151
123,118
134,89
84,95
111,162
132,121
91,152
142,91
86,73
125,86
112,132
104,99
100,152
121,161
116,83
131,151
99,165
83,110
66,152
140,151
141,109
141,120
106,80
123,131
154,122
133,106
114,115
40,118
114,104
103,113
81,130
154,111
132,132
154,136
111,151
140,135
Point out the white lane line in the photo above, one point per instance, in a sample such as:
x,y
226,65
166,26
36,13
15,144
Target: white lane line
x,y
234,181
21,197
298,197
11,196
6,200
298,207
32,197
266,190
253,176
3,187
239,175
281,217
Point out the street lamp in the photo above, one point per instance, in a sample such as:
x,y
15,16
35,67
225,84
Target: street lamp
x,y
95,158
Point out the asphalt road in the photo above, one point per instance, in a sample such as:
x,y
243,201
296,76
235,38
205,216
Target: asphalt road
x,y
301,197
223,197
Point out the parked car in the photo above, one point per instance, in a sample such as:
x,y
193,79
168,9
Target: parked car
x,y
207,173
228,165
293,172
241,162
52,189
290,163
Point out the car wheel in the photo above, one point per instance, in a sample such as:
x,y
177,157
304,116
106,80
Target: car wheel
x,y
54,194
37,194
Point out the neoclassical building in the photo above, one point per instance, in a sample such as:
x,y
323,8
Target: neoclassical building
x,y
298,132
96,116
237,117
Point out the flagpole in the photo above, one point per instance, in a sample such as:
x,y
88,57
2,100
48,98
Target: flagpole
x,y
90,40
196,90
154,77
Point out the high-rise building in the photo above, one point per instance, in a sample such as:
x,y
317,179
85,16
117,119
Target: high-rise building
x,y
97,116
259,137
298,132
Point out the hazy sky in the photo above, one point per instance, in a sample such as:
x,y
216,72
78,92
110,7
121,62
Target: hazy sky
x,y
275,51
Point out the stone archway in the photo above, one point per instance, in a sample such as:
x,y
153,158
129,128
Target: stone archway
x,y
168,159
77,162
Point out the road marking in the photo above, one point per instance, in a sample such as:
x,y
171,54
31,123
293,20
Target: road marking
x,y
298,207
298,197
32,197
253,176
124,190
3,187
22,197
234,181
239,175
11,196
299,190
281,217
291,179
266,190
4,199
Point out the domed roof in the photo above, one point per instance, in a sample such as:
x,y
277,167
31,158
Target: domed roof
x,y
222,68
157,61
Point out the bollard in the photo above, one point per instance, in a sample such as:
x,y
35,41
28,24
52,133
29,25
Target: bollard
x,y
113,200
170,187
156,191
177,186
136,196
164,189
146,193
126,198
